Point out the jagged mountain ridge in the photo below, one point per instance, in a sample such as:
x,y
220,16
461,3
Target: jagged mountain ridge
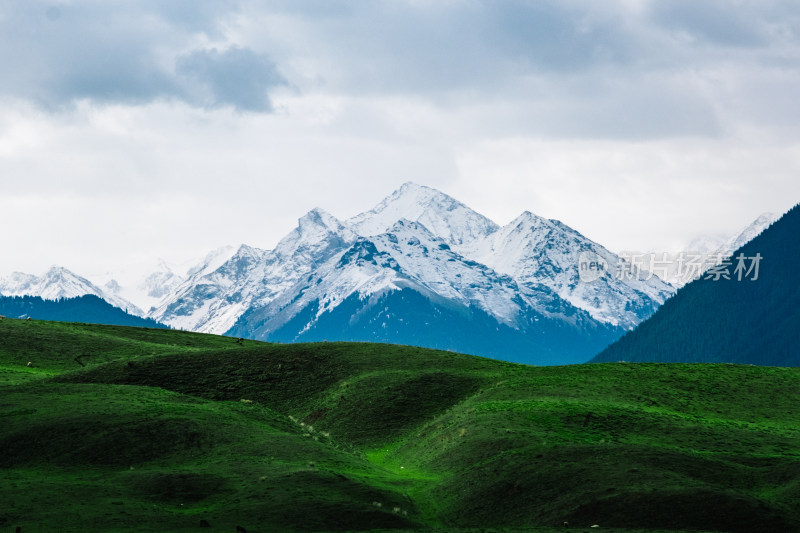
x,y
291,292
212,299
537,251
408,256
471,285
409,286
57,283
472,235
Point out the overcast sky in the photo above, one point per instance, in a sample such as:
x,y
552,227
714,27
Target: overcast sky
x,y
144,129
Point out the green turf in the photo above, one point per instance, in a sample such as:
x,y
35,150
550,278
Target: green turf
x,y
154,430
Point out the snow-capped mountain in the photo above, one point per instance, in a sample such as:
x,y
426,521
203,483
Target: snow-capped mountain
x,y
702,253
408,255
214,296
536,251
445,217
160,283
747,234
212,261
420,265
208,300
706,244
721,245
419,268
144,282
407,285
533,250
58,282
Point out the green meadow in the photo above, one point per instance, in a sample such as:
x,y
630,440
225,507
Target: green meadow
x,y
127,429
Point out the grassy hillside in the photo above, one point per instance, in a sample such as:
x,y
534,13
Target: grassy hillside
x,y
162,429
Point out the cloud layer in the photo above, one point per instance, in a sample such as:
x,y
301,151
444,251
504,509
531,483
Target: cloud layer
x,y
671,62
132,54
235,117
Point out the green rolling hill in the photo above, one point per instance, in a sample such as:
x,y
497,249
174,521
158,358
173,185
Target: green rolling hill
x,y
114,428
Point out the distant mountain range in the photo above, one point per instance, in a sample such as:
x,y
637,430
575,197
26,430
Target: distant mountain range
x,y
419,268
702,253
57,283
87,308
720,245
746,310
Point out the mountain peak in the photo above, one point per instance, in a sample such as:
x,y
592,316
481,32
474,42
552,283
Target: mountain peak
x,y
318,218
416,240
762,222
245,250
56,270
441,214
528,218
316,230
421,194
411,186
769,217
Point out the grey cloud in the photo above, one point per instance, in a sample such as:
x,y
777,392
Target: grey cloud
x,y
714,21
454,54
559,36
236,76
482,44
57,54
662,69
615,106
410,46
194,16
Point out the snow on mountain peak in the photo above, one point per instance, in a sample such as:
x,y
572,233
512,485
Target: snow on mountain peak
x,y
526,216
723,245
316,232
706,244
158,284
766,219
747,234
213,298
419,238
405,225
527,220
442,215
319,219
408,255
245,251
537,251
212,261
59,282
113,286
